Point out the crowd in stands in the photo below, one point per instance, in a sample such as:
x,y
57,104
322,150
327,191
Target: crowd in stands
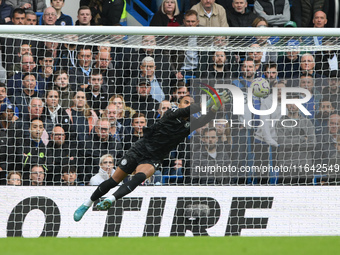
x,y
68,112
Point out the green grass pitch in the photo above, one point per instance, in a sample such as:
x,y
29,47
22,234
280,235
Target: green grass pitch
x,y
171,245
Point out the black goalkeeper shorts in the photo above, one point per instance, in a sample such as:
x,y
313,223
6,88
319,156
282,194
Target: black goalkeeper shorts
x,y
129,162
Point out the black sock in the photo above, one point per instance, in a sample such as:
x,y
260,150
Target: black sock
x,y
128,187
103,188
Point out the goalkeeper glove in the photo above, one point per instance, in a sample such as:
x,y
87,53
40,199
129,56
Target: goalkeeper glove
x,y
225,98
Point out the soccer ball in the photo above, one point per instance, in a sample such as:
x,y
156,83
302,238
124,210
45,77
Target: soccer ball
x,y
260,87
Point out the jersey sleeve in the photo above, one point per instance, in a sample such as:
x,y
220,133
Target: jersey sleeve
x,y
182,112
202,120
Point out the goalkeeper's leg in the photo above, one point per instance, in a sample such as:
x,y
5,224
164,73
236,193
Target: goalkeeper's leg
x,y
143,172
101,190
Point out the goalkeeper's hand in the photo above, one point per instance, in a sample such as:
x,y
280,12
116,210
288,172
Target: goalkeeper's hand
x,y
225,98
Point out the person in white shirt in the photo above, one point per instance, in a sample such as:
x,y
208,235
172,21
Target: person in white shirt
x,y
106,170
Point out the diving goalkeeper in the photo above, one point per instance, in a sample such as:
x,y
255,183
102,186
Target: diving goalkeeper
x,y
146,155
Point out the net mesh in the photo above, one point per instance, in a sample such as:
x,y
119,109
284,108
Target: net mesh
x,y
107,72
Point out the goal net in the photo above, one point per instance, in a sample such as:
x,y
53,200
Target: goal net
x,y
74,100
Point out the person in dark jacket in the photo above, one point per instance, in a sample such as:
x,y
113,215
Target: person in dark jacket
x,y
5,13
141,99
276,12
97,144
239,15
105,12
60,152
168,15
303,11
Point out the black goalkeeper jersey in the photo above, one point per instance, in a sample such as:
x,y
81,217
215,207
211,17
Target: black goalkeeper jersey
x,y
169,131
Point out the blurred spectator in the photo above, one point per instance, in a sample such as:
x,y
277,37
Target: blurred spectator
x,y
257,57
161,58
45,70
159,87
240,15
211,14
5,103
168,15
68,53
61,84
262,56
219,66
332,90
261,22
208,155
82,117
18,17
124,112
307,82
15,65
327,61
37,176
177,92
7,141
31,18
28,66
138,122
84,16
105,12
307,66
60,152
32,150
189,62
322,116
83,69
248,73
14,178
142,100
28,91
69,176
99,143
105,172
22,125
95,95
270,73
36,6
5,13
62,19
116,128
53,112
319,21
328,142
49,16
289,64
173,174
276,12
112,77
303,11
162,108
296,142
